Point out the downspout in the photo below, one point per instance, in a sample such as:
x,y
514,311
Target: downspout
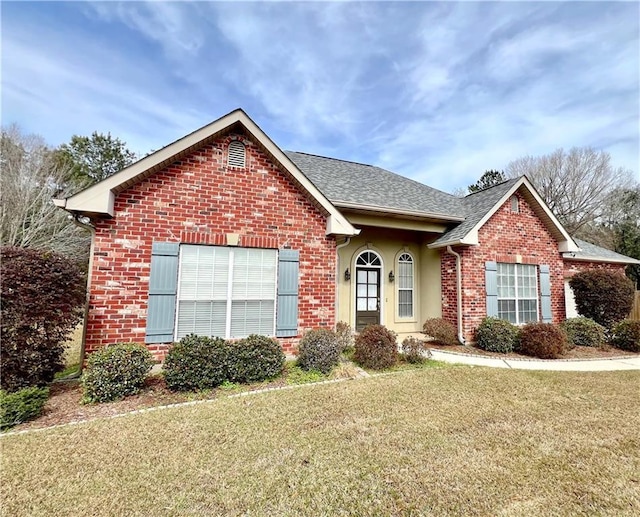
x,y
86,226
338,247
458,291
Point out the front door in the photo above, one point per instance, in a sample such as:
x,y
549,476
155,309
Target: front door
x,y
367,297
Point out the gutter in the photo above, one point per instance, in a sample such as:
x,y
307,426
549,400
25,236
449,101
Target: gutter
x,y
458,291
86,226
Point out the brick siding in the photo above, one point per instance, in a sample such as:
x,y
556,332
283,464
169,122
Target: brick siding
x,y
506,237
199,200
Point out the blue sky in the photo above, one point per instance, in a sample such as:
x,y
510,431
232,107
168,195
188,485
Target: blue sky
x,y
439,92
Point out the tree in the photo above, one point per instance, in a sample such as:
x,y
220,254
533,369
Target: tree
x,y
622,222
575,185
92,159
488,179
42,298
31,176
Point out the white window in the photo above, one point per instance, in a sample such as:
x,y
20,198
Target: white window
x,y
226,292
405,286
237,154
518,293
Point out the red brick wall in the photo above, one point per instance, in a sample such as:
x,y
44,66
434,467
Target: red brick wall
x,y
199,200
571,267
503,238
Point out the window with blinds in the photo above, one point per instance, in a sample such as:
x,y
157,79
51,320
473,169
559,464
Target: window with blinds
x,y
226,292
517,293
405,286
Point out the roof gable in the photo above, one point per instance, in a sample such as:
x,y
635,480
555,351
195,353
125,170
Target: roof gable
x,y
98,200
480,206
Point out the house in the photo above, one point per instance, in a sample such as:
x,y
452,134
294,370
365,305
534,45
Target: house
x,y
222,233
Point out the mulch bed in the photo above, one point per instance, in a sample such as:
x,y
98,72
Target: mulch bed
x,y
579,352
64,404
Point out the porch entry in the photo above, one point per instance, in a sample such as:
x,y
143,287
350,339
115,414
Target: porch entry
x,y
368,272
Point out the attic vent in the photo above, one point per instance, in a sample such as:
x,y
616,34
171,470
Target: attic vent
x,y
236,154
515,207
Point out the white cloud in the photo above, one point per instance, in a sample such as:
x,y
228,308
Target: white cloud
x,y
440,91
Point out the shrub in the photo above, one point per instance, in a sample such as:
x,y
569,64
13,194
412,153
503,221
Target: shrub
x,y
197,363
440,331
626,335
344,336
318,350
604,296
583,332
41,302
255,358
115,371
415,350
543,340
376,348
496,335
21,405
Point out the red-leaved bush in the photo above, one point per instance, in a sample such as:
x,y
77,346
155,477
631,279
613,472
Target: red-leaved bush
x,y
42,298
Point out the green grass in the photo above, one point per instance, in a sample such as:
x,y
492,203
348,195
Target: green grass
x,y
438,441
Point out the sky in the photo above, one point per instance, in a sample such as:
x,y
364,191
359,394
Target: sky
x,y
438,92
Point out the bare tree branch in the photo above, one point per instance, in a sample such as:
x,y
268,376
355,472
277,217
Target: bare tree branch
x,y
30,179
576,185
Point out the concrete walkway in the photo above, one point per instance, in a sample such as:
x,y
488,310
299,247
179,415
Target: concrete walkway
x,y
568,365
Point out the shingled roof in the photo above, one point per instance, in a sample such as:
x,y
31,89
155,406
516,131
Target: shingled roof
x,y
592,253
475,207
349,183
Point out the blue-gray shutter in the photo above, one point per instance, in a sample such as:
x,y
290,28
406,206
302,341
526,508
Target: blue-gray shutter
x,y
545,294
491,282
288,271
163,288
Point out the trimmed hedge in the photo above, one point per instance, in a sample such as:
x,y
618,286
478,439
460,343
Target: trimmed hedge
x,y
496,335
415,350
583,332
21,405
319,350
254,359
543,340
626,335
440,331
115,371
604,296
197,363
376,348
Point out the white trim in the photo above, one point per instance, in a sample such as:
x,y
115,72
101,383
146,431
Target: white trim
x,y
398,211
516,298
413,287
630,260
99,198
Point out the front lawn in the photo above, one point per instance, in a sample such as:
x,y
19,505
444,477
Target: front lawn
x,y
449,441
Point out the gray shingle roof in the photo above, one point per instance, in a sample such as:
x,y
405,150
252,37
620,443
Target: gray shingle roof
x,y
475,207
350,182
597,253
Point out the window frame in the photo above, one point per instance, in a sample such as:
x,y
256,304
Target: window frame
x,y
411,289
229,299
517,298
